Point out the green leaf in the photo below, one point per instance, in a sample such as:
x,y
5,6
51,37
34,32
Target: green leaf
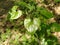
x,y
32,25
43,42
55,27
14,8
45,13
22,4
15,14
30,7
56,1
26,6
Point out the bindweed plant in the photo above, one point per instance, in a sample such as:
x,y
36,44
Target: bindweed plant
x,y
35,22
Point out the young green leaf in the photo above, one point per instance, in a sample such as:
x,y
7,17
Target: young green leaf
x,y
32,25
15,14
14,8
43,42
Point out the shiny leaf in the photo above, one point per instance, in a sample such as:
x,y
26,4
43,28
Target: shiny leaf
x,y
32,25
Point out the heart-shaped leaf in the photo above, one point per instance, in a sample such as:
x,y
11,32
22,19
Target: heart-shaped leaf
x,y
15,14
32,25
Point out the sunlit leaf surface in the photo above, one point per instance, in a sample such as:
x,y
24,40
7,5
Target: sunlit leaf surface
x,y
32,25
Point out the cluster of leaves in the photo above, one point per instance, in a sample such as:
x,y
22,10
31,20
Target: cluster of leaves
x,y
35,22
